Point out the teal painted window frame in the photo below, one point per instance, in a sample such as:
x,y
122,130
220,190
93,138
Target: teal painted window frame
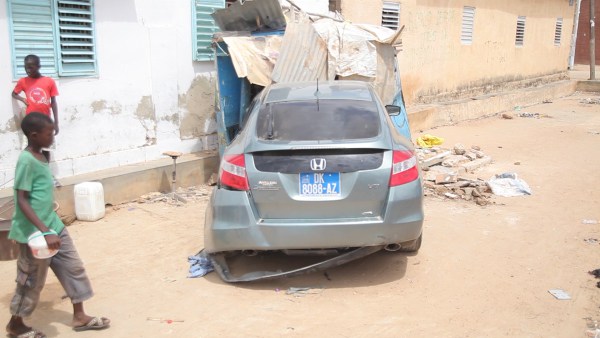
x,y
60,32
203,28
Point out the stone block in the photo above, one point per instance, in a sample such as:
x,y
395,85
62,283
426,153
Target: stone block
x,y
478,163
454,160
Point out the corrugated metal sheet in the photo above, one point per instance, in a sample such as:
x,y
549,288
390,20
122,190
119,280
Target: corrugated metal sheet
x,y
303,56
251,15
203,27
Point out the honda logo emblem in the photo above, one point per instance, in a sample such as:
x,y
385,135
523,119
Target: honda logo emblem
x,y
318,164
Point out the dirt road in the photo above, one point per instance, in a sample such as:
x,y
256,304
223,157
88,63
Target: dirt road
x,y
482,271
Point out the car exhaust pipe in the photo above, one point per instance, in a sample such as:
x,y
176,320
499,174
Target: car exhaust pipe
x,y
249,253
392,247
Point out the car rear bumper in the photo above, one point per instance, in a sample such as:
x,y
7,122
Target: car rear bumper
x,y
231,224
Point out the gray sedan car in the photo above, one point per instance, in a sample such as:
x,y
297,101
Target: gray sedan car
x,y
316,166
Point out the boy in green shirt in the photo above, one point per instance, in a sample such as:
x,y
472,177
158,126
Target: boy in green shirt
x,y
34,211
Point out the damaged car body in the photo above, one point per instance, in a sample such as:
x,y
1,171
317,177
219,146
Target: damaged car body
x,y
322,167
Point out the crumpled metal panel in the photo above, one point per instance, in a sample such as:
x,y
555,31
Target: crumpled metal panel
x,y
303,56
251,15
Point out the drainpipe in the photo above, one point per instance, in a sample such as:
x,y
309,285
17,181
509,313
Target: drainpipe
x,y
574,35
592,40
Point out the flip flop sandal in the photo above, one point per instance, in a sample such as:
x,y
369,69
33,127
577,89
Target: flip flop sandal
x,y
95,323
29,334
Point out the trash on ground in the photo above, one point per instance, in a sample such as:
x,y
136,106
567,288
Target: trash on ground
x,y
595,273
200,265
508,185
559,294
428,141
532,115
594,132
593,330
507,116
591,241
300,292
163,320
196,193
590,101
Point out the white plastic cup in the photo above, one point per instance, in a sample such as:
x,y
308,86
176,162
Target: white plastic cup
x,y
39,247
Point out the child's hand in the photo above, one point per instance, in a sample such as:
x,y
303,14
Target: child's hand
x,y
53,242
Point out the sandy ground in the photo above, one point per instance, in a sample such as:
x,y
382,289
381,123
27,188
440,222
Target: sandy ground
x,y
482,271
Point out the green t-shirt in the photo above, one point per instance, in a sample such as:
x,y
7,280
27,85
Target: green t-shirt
x,y
34,176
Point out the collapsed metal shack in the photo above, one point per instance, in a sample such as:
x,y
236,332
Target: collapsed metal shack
x,y
262,42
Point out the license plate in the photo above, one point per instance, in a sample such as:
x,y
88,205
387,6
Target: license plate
x,y
319,184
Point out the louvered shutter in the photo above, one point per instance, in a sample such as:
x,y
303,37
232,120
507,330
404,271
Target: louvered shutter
x,y
75,35
203,27
31,28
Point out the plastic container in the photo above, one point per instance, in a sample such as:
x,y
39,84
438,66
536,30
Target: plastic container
x,y
89,201
39,247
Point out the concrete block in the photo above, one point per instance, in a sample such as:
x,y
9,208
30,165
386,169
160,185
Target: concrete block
x,y
454,160
473,165
437,159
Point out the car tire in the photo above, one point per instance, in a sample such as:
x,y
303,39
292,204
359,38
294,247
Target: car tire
x,y
412,246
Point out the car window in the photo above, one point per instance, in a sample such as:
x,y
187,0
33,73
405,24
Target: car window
x,y
318,120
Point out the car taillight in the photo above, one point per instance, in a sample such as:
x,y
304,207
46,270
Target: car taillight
x,y
404,168
233,172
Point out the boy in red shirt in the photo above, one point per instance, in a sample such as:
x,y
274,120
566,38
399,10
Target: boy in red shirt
x,y
40,91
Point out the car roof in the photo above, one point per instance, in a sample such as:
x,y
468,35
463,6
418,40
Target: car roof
x,y
336,90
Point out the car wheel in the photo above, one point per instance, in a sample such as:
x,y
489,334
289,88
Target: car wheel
x,y
412,246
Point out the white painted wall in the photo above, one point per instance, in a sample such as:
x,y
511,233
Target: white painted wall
x,y
133,111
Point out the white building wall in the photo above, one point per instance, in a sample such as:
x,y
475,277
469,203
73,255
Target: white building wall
x,y
149,95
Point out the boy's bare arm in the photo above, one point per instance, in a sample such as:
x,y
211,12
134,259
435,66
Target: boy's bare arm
x,y
19,97
54,104
23,202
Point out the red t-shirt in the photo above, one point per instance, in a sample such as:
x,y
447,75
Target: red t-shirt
x,y
38,92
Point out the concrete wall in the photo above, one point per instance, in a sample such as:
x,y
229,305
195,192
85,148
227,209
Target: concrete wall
x,y
149,96
434,63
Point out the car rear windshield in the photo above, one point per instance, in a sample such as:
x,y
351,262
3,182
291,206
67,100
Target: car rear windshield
x,y
318,120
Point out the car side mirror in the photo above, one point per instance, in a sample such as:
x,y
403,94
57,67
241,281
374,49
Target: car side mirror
x,y
392,110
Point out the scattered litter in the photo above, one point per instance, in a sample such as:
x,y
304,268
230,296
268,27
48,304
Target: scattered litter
x,y
517,108
595,273
589,221
428,141
517,163
168,279
547,101
300,292
559,294
594,132
593,330
130,209
162,320
508,185
532,115
507,116
591,240
196,193
590,101
200,265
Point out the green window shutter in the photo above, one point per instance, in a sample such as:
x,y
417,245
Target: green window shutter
x,y
203,27
75,37
31,30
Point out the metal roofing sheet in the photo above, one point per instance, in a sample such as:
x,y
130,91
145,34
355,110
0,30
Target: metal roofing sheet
x,y
303,56
251,15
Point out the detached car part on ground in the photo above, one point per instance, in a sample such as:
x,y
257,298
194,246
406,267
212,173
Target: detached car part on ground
x,y
315,167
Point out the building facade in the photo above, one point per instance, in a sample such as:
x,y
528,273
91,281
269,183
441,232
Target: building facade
x,y
135,79
458,48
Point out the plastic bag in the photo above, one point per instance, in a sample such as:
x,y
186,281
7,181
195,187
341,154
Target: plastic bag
x,y
508,185
428,141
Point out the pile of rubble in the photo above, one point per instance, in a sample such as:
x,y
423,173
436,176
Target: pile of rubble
x,y
181,195
445,173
